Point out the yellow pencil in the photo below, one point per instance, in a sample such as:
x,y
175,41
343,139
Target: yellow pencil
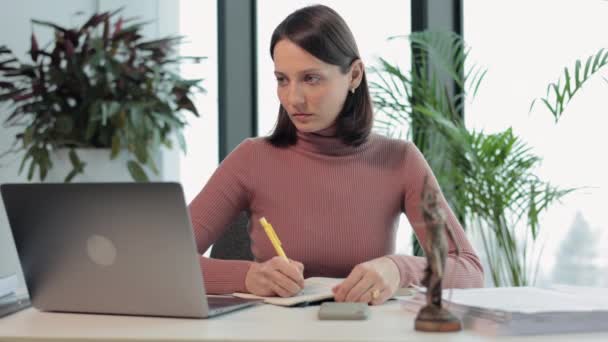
x,y
274,239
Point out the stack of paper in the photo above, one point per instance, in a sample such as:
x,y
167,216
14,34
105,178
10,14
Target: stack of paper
x,y
524,310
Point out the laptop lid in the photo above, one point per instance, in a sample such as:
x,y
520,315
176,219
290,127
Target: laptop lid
x,y
116,248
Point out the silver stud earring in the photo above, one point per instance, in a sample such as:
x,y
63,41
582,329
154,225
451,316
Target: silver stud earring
x,y
352,90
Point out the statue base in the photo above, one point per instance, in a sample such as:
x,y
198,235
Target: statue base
x,y
432,318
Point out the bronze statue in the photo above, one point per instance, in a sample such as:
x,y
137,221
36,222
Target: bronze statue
x,y
433,317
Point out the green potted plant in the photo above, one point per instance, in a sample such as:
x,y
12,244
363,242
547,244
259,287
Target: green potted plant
x,y
488,179
101,86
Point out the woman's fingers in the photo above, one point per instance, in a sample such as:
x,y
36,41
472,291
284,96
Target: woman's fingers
x,y
290,269
362,287
344,288
287,276
364,284
280,291
375,295
276,276
383,296
299,265
289,287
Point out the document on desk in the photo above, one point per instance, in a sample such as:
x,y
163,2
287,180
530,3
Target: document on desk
x,y
315,289
522,310
527,299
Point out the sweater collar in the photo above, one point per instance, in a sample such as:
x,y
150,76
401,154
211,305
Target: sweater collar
x,y
325,142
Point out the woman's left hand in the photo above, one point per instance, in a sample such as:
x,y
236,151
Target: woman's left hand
x,y
372,282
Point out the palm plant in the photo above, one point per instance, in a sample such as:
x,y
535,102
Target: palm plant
x,y
487,178
411,99
503,199
561,92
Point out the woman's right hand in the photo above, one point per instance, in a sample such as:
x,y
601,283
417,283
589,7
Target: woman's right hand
x,y
275,277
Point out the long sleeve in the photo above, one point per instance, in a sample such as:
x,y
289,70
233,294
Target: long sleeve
x,y
461,272
224,196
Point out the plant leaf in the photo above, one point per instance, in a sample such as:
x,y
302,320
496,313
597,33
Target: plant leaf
x,y
137,172
49,24
560,93
181,140
141,151
115,146
34,48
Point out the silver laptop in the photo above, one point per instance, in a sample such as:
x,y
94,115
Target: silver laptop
x,y
111,248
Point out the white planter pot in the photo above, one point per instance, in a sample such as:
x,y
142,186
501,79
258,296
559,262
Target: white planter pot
x,y
99,167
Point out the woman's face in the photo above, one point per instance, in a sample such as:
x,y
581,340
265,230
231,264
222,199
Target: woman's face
x,y
310,90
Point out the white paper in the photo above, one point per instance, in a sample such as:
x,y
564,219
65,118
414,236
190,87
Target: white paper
x,y
315,289
527,299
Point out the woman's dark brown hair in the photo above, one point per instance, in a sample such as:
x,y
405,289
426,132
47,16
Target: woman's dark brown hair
x,y
320,31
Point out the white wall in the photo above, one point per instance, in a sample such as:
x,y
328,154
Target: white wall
x,y
15,31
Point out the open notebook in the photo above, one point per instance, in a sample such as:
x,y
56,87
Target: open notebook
x,y
315,289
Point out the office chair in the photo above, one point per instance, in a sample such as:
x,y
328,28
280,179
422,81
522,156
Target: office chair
x,y
235,244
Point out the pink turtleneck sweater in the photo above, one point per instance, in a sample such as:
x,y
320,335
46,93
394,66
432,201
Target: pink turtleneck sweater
x,y
333,206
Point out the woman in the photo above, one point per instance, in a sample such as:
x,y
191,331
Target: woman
x,y
332,189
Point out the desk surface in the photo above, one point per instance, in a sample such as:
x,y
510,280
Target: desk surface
x,y
388,322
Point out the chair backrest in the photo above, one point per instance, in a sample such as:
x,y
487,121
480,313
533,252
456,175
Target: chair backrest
x,y
235,244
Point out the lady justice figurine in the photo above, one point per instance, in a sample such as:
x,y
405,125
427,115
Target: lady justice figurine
x,y
433,317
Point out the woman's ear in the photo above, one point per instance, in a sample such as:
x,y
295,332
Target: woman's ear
x,y
356,73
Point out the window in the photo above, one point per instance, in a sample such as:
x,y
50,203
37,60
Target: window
x,y
525,45
371,25
198,23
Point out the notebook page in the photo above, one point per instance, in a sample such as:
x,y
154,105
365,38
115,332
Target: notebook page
x,y
315,288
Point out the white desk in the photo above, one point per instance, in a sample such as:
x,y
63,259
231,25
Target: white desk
x,y
388,322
